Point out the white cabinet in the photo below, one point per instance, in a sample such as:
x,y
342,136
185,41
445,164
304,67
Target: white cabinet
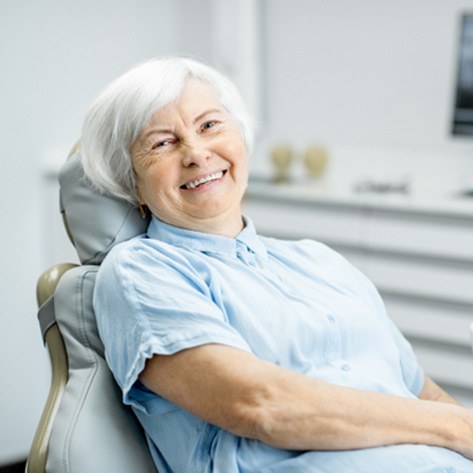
x,y
420,257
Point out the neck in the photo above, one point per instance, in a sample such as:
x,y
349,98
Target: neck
x,y
224,227
227,229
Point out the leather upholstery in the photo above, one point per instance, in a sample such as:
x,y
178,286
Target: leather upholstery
x,y
93,431
96,221
84,427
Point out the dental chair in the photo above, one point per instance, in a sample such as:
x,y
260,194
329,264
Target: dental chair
x,y
84,427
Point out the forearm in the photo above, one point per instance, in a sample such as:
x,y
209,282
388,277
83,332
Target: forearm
x,y
334,418
256,399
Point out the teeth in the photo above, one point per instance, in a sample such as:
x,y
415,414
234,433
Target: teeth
x,y
203,180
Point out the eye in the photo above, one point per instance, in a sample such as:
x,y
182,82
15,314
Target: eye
x,y
209,124
162,144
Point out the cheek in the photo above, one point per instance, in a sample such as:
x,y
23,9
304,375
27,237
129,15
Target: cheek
x,y
151,184
160,173
231,143
235,151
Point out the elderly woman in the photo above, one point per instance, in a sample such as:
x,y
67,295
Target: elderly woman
x,y
241,353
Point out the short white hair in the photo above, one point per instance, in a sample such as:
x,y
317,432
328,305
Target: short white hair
x,y
119,114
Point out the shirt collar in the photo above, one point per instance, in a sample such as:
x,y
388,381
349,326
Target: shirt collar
x,y
207,242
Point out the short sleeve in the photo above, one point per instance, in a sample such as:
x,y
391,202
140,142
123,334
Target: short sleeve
x,y
149,299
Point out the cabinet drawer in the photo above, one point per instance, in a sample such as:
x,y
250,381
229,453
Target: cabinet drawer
x,y
450,281
441,323
446,367
446,237
327,224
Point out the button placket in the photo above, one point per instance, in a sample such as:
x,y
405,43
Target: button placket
x,y
333,339
245,255
331,319
334,344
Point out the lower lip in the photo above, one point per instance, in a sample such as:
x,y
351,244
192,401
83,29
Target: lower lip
x,y
207,185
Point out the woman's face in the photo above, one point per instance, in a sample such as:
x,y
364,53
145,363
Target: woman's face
x,y
191,163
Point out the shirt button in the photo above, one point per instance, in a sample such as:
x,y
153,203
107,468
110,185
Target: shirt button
x,y
331,318
345,367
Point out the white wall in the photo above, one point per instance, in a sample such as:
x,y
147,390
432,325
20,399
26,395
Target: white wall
x,y
365,74
55,56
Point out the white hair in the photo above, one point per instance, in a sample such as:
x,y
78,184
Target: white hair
x,y
119,114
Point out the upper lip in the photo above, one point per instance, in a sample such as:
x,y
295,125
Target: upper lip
x,y
195,179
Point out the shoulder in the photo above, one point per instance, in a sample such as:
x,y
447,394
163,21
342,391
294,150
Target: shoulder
x,y
144,259
317,259
310,250
142,251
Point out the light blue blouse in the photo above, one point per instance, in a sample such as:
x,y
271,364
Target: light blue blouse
x,y
298,304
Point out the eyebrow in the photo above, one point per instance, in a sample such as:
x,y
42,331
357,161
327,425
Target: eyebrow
x,y
207,112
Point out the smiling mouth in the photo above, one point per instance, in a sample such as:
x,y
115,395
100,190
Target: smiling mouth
x,y
204,180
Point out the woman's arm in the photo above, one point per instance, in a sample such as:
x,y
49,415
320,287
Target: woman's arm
x,y
433,392
256,399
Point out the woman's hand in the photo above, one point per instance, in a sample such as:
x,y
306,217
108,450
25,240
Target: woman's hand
x,y
252,398
462,428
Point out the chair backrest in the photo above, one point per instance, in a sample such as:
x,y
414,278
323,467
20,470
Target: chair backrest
x,y
95,222
84,427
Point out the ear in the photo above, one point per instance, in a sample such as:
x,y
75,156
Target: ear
x,y
143,208
141,201
139,195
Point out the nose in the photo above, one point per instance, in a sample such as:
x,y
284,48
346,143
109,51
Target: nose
x,y
196,153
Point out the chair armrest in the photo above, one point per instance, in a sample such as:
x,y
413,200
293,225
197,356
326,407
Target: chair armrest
x,y
45,288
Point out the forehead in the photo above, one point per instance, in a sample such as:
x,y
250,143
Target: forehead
x,y
197,97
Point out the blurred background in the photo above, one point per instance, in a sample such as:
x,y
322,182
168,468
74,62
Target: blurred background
x,y
373,81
